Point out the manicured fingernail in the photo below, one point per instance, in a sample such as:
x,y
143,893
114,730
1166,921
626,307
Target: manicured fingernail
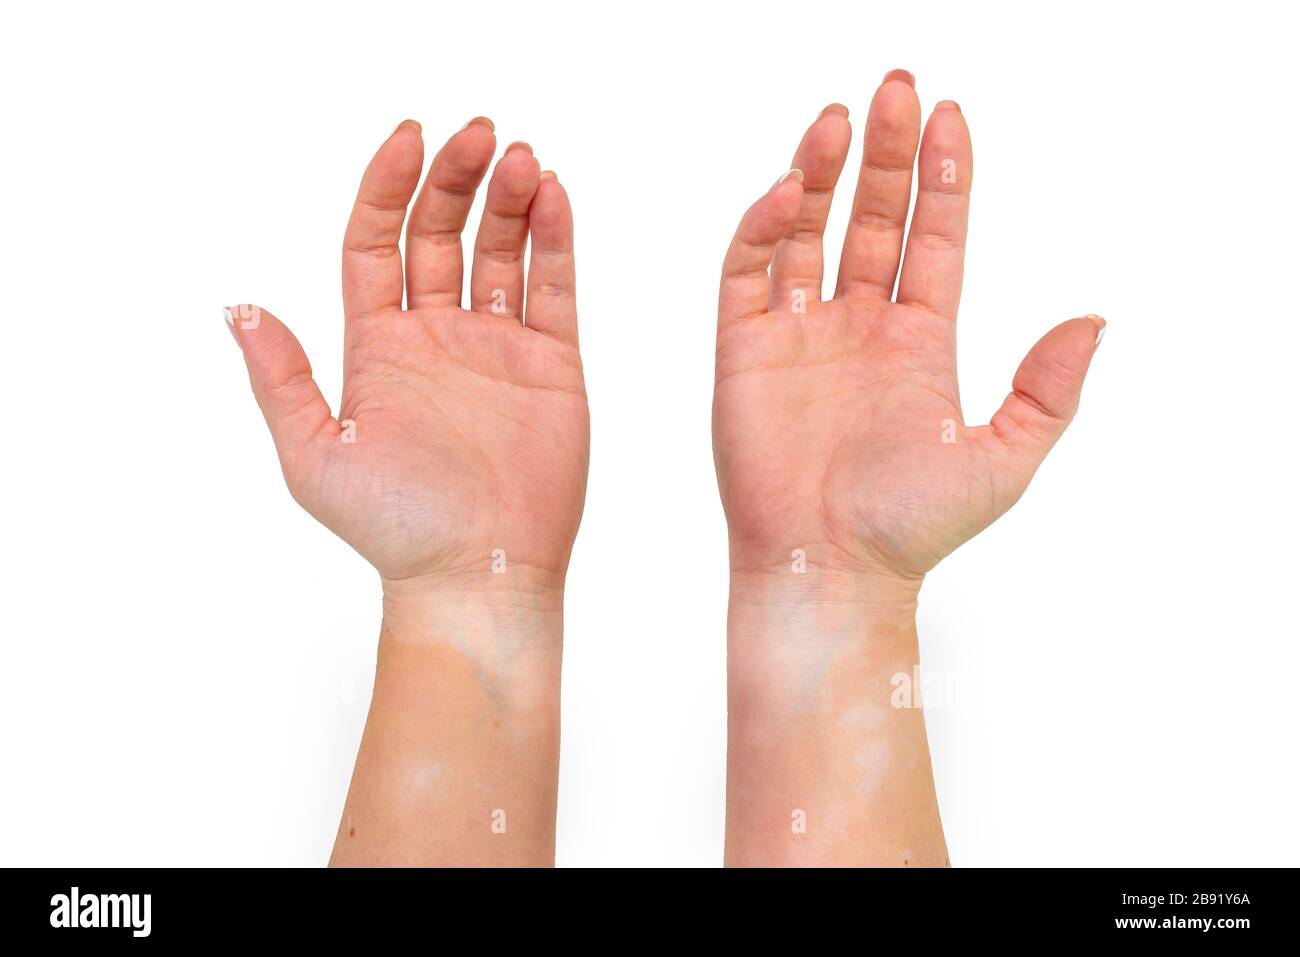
x,y
549,174
903,75
839,108
519,145
1101,327
248,316
412,124
947,105
480,121
796,174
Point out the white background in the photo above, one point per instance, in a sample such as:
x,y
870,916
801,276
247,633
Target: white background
x,y
187,655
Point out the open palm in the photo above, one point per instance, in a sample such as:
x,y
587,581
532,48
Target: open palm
x,y
462,434
837,425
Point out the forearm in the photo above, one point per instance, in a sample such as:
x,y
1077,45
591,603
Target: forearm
x,y
823,766
459,760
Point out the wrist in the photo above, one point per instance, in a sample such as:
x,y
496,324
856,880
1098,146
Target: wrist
x,y
518,607
819,575
463,733
785,620
826,764
504,637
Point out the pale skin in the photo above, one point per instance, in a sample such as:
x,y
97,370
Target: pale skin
x,y
457,467
841,450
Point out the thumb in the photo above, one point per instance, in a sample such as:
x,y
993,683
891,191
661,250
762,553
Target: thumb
x,y
280,374
1045,391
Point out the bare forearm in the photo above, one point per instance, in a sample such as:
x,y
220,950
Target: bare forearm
x,y
459,761
823,768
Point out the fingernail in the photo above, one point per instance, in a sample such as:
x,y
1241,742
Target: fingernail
x,y
796,174
549,174
480,121
228,312
903,75
519,145
839,108
413,124
947,105
1101,327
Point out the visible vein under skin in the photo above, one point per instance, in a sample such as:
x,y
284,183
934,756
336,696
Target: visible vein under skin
x,y
459,760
